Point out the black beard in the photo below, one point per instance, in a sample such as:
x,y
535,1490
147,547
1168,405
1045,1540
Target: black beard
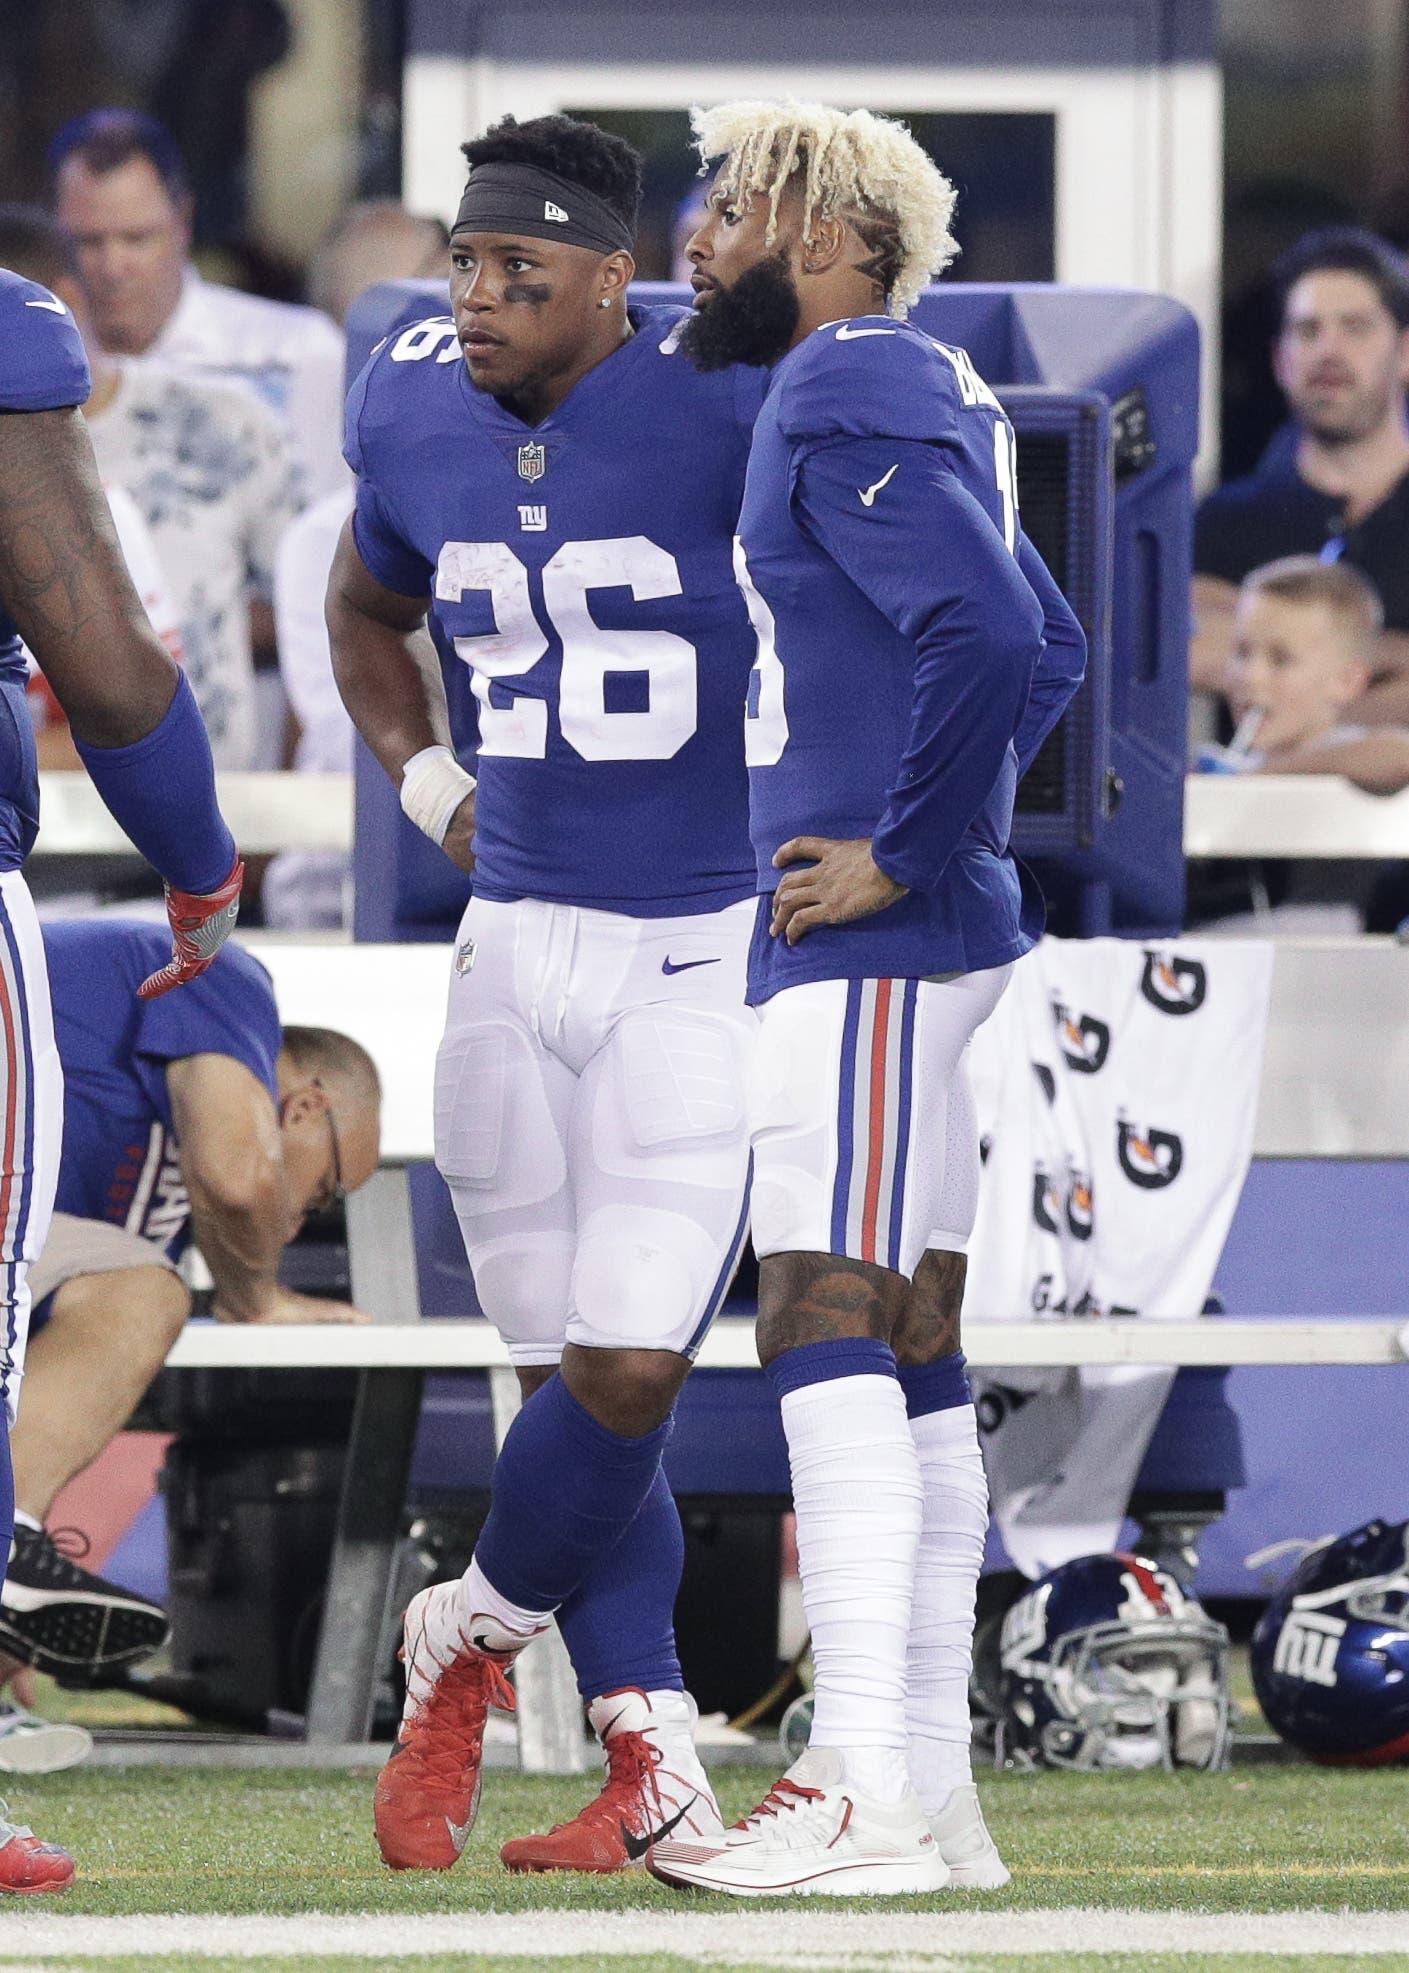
x,y
752,322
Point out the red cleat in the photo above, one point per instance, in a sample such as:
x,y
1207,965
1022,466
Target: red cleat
x,y
27,1866
427,1795
655,1788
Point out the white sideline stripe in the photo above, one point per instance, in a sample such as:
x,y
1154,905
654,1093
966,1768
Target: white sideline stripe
x,y
809,1938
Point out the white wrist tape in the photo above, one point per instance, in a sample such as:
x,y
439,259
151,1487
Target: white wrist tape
x,y
433,785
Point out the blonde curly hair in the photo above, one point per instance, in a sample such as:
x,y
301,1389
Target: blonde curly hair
x,y
852,164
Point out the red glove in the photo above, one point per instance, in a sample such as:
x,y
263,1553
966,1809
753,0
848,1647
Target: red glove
x,y
200,925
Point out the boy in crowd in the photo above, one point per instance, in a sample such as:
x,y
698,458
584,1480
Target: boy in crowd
x,y
1304,636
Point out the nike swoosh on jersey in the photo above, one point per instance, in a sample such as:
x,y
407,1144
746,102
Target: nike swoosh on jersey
x,y
669,965
637,1846
867,494
846,334
54,307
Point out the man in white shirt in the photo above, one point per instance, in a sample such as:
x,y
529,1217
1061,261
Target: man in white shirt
x,y
209,468
120,192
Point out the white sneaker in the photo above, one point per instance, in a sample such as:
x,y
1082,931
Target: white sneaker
x,y
813,1835
966,1846
30,1745
655,1787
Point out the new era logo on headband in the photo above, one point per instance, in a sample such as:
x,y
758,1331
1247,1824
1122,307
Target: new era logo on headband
x,y
550,211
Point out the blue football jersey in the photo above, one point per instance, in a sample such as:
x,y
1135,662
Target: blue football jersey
x,y
42,368
913,649
582,567
120,1159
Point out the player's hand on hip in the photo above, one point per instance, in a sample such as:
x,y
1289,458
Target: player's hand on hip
x,y
200,924
840,881
460,835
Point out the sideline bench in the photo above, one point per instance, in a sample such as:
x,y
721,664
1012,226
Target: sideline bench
x,y
1335,1085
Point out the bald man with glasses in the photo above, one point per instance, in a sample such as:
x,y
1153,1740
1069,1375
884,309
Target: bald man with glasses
x,y
196,1117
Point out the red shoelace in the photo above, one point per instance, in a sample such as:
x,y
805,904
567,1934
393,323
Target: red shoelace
x,y
783,1794
447,1734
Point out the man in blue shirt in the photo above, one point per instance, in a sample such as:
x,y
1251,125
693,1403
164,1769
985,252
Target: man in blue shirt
x,y
194,1114
914,652
65,593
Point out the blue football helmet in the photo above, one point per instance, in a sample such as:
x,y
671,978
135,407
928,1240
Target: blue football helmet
x,y
1330,1655
1107,1664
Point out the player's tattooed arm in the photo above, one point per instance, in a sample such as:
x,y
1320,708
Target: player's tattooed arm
x,y
64,581
822,1298
839,881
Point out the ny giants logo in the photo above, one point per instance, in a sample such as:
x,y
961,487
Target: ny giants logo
x,y
1085,1041
1307,1645
1150,1159
1174,984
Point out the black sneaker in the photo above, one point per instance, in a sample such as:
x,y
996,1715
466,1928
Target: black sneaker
x,y
66,1621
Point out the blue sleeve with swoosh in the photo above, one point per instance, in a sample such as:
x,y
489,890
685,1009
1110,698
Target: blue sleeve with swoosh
x,y
925,553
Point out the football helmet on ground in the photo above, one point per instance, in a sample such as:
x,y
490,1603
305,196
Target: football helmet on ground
x,y
1107,1663
1330,1654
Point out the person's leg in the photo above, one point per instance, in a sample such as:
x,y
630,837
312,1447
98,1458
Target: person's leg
x,y
832,1137
660,1164
944,1426
102,1337
106,1338
31,1106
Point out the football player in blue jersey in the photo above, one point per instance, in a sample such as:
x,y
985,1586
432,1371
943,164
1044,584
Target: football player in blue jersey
x,y
65,591
545,473
913,654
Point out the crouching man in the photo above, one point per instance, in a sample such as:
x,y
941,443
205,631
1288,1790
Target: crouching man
x,y
193,1116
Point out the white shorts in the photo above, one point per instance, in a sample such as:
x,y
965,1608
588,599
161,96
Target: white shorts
x,y
590,1121
865,1141
31,1120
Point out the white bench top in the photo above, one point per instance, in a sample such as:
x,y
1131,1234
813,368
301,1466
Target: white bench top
x,y
1225,815
1335,1080
474,1345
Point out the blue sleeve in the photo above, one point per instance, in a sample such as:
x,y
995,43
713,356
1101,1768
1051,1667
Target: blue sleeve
x,y
932,562
229,1010
43,366
160,791
1061,664
384,549
868,380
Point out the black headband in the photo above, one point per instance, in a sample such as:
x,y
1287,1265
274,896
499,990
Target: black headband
x,y
523,198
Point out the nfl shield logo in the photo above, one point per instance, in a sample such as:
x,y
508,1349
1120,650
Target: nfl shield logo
x,y
533,462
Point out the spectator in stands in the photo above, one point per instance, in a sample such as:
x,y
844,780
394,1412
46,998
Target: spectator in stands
x,y
1304,635
120,191
1303,642
196,1114
209,468
1336,482
378,241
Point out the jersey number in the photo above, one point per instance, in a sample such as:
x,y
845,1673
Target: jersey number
x,y
653,672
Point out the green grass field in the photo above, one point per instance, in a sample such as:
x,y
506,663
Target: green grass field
x,y
1267,1839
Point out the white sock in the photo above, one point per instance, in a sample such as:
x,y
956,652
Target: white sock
x,y
23,1520
856,1489
942,1619
501,1624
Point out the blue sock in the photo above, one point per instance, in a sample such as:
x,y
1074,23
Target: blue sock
x,y
939,1386
619,1624
819,1363
565,1492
